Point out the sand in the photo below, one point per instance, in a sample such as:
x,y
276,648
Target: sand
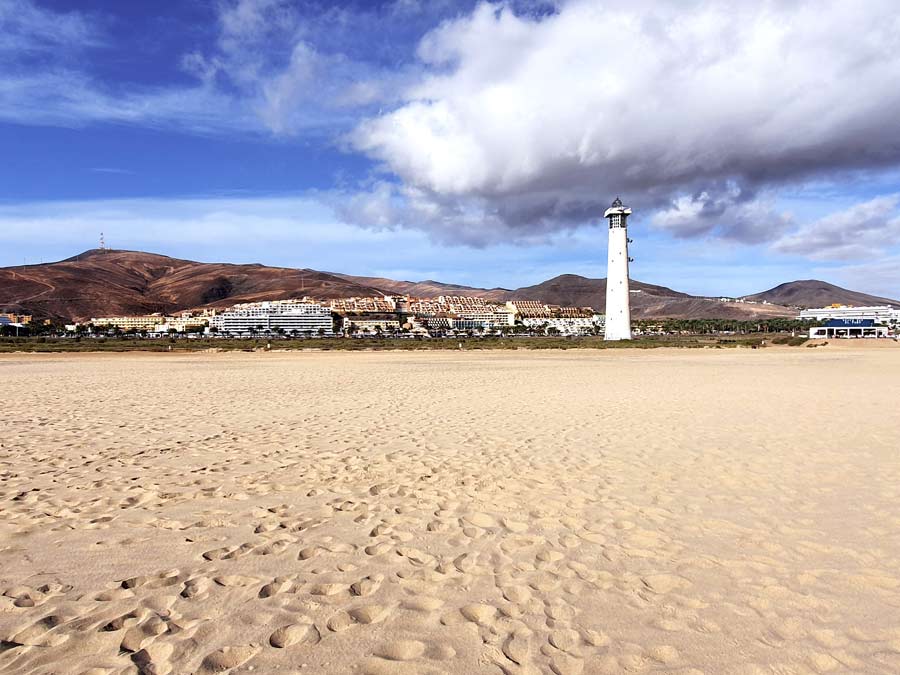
x,y
703,511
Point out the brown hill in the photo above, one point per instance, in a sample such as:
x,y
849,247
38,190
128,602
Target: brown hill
x,y
814,293
578,291
429,288
647,300
105,283
110,283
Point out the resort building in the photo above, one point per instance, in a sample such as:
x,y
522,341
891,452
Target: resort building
x,y
571,325
526,309
849,328
182,324
884,314
369,315
289,317
371,324
15,318
140,323
427,307
433,324
478,310
362,305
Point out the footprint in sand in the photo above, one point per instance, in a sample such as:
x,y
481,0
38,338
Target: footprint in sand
x,y
227,658
294,634
38,634
517,647
276,586
196,588
367,586
407,657
154,659
229,580
138,637
366,614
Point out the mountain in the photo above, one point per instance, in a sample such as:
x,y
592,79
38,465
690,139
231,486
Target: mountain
x,y
814,293
578,291
647,300
109,283
429,288
112,283
569,290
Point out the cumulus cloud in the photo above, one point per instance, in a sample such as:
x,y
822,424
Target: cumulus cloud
x,y
516,120
726,212
864,230
545,118
472,221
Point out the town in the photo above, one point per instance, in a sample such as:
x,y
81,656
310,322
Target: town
x,y
440,317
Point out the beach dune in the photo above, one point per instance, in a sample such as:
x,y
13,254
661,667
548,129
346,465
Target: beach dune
x,y
678,511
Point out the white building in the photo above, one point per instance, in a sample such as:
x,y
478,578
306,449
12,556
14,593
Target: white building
x,y
848,328
278,316
477,309
884,314
183,324
618,307
566,325
368,324
144,322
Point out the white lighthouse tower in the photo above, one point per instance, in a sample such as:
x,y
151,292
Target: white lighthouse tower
x,y
618,307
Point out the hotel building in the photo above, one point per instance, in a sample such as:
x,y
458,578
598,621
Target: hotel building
x,y
288,317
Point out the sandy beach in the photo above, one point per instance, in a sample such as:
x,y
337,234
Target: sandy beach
x,y
677,511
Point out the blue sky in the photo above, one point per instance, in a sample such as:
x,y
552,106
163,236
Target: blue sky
x,y
468,142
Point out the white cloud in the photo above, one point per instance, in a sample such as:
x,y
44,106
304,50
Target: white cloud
x,y
26,28
306,231
295,69
549,118
512,123
878,277
472,221
70,98
724,213
58,90
859,231
231,220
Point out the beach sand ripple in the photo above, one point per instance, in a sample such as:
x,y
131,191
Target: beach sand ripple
x,y
729,511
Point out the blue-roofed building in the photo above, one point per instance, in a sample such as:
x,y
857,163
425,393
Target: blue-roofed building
x,y
849,328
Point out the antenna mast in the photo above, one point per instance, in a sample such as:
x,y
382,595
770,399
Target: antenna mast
x,y
102,242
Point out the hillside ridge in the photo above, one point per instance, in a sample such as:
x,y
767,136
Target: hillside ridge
x,y
105,282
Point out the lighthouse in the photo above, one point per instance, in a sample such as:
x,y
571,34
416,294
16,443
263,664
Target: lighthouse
x,y
618,308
